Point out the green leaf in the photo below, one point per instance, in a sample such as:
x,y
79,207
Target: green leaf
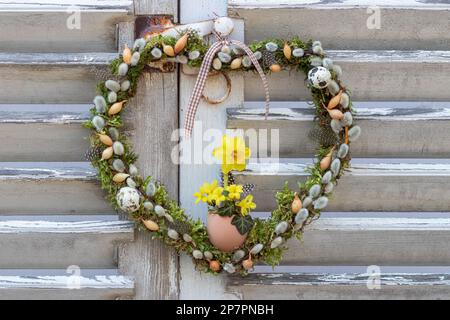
x,y
146,181
226,210
242,224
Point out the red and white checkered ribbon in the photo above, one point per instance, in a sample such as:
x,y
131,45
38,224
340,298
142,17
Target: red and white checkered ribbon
x,y
203,74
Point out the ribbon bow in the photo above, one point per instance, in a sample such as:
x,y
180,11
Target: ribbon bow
x,y
203,74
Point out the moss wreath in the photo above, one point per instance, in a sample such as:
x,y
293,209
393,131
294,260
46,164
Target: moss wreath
x,y
111,153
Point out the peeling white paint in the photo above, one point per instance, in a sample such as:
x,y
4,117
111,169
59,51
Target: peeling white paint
x,y
361,113
381,224
359,167
63,5
348,279
61,282
47,171
339,4
23,225
36,117
21,58
382,56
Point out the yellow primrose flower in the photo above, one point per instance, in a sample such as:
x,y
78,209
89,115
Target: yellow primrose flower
x,y
234,191
201,196
246,204
233,154
205,191
216,196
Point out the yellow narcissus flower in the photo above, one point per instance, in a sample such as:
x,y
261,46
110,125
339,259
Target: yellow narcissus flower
x,y
234,191
232,154
216,196
246,204
205,191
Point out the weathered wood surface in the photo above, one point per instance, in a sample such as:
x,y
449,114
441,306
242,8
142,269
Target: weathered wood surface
x,y
374,184
199,10
378,241
96,30
53,171
44,284
46,84
44,113
413,125
64,224
404,25
203,28
125,35
152,116
58,5
52,59
50,188
371,75
148,7
50,78
313,285
192,175
85,241
196,164
369,185
195,285
43,132
341,4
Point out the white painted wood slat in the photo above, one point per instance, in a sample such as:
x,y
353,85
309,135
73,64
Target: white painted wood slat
x,y
153,115
414,125
41,78
57,284
390,24
371,75
373,241
333,285
66,59
193,173
61,26
339,5
369,185
58,241
62,5
50,188
43,132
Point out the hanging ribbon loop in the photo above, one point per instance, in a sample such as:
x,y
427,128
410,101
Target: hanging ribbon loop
x,y
197,93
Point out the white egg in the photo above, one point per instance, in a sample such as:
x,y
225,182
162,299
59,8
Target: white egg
x,y
128,199
223,26
319,77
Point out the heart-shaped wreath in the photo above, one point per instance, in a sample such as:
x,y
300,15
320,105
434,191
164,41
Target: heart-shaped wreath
x,y
147,201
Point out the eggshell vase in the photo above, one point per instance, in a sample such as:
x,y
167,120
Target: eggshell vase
x,y
222,234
